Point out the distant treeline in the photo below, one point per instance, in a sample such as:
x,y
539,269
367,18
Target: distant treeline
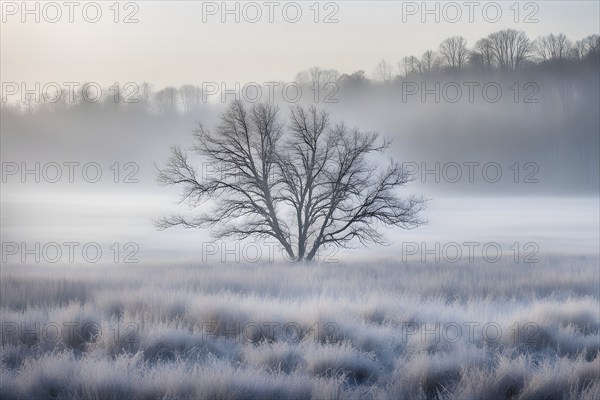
x,y
506,54
506,100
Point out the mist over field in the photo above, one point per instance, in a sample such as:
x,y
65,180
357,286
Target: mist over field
x,y
338,200
509,163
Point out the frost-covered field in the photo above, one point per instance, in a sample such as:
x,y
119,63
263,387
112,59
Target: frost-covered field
x,y
343,331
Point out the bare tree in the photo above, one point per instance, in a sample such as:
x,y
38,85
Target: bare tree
x,y
579,50
359,76
454,52
62,96
191,97
314,75
484,48
316,173
553,47
355,80
410,65
404,66
428,61
86,94
29,103
510,48
586,47
330,76
318,76
383,72
145,96
165,101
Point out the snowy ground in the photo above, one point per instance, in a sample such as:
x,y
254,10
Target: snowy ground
x,y
345,330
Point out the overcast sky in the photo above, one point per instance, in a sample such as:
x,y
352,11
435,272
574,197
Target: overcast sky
x,y
180,42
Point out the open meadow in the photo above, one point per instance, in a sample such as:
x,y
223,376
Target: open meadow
x,y
341,330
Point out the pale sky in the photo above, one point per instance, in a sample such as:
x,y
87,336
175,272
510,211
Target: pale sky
x,y
171,45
